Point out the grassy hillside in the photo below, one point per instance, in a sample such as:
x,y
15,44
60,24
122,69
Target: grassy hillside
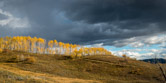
x,y
27,67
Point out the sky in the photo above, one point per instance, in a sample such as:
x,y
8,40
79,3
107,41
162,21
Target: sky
x,y
132,27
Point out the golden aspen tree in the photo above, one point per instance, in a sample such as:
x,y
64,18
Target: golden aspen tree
x,y
38,45
81,51
55,45
28,43
60,47
1,44
13,43
43,45
25,46
51,44
33,44
6,42
67,46
72,48
21,43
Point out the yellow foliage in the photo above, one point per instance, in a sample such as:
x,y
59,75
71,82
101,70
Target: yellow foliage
x,y
79,55
39,45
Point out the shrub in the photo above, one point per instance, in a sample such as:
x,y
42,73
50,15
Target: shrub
x,y
136,71
29,60
75,56
124,56
13,59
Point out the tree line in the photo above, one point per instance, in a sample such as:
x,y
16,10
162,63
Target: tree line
x,y
41,46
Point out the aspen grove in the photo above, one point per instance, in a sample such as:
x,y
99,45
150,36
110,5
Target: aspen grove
x,y
41,46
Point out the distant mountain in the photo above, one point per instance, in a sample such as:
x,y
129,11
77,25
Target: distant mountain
x,y
160,60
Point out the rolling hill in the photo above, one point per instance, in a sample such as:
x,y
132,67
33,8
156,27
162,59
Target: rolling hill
x,y
20,67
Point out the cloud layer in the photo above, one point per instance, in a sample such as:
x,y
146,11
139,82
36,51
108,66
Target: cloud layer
x,y
84,21
13,22
142,41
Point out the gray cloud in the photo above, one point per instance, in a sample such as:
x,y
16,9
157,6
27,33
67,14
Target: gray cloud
x,y
87,21
2,17
142,41
97,11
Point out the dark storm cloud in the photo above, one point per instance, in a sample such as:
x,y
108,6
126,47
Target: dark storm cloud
x,y
96,11
42,17
121,18
135,12
87,21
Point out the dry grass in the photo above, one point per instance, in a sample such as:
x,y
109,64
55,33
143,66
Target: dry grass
x,y
40,77
107,69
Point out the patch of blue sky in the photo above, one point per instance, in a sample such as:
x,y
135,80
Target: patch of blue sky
x,y
144,49
117,48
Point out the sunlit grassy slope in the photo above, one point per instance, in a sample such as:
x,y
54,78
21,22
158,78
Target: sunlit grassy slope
x,y
20,67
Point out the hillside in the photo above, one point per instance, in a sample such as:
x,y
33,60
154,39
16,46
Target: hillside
x,y
39,68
